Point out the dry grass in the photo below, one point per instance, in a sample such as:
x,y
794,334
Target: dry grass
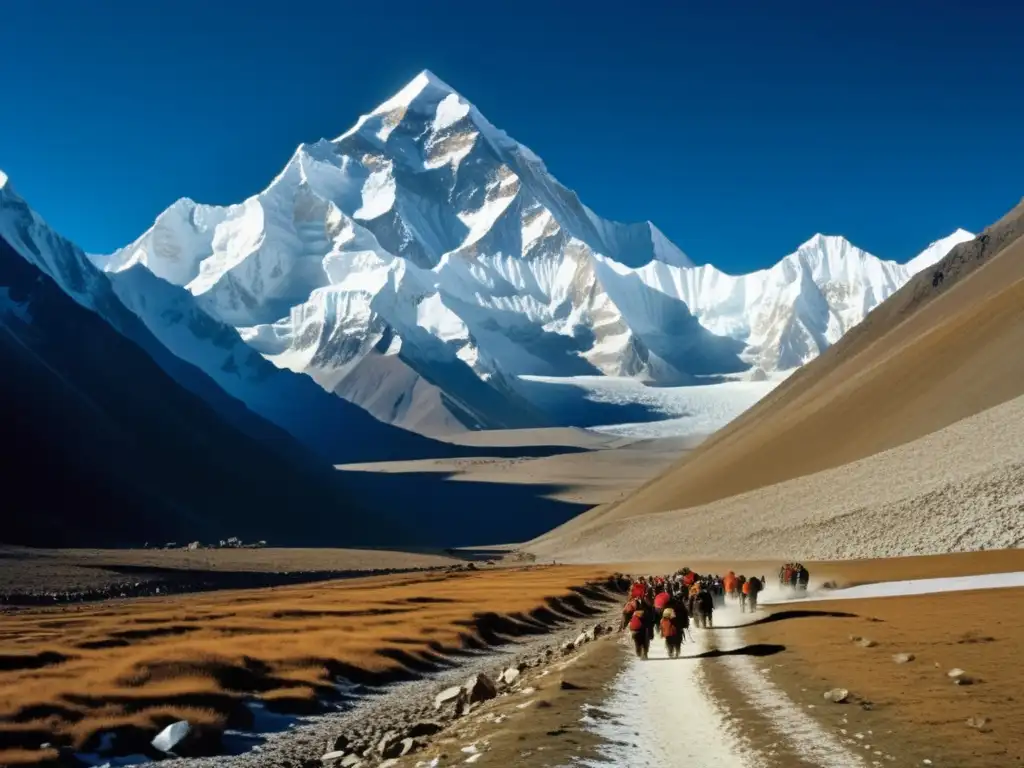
x,y
68,674
916,704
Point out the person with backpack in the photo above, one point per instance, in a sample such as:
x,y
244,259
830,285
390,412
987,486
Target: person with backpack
x,y
752,589
672,632
703,608
641,628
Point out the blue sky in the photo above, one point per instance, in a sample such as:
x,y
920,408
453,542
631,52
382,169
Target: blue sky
x,y
740,128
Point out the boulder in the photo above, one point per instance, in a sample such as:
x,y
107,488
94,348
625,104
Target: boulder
x,y
332,758
568,647
866,643
341,744
408,746
836,695
903,658
172,737
351,761
193,546
581,639
565,685
449,697
390,744
509,676
479,688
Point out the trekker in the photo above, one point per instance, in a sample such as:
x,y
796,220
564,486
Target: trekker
x,y
672,632
641,628
703,609
803,578
754,587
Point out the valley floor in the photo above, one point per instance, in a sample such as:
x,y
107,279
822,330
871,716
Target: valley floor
x,y
47,576
306,670
608,469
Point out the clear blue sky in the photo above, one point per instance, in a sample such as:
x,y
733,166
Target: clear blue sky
x,y
740,128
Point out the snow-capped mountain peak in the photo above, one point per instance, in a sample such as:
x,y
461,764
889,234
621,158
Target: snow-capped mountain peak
x,y
936,251
426,246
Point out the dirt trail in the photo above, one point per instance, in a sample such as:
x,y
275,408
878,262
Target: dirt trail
x,y
669,712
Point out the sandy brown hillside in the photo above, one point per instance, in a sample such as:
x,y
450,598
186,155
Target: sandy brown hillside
x,y
936,352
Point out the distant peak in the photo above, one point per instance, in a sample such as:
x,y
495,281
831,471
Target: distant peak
x,y
4,179
425,81
820,239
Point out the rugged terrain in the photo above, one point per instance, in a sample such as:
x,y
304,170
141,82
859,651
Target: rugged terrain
x,y
428,267
903,438
127,668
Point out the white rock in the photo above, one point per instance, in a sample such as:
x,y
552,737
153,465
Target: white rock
x,y
171,736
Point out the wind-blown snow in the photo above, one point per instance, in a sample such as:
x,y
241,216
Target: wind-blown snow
x,y
427,224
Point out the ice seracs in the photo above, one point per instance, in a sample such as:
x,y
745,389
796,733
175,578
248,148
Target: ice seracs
x,y
425,246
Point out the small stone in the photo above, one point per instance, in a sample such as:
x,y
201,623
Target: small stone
x,y
836,695
903,658
509,676
480,688
448,696
351,761
568,647
565,685
979,723
390,744
866,643
955,673
171,736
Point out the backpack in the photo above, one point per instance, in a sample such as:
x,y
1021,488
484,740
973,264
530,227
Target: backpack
x,y
637,622
668,629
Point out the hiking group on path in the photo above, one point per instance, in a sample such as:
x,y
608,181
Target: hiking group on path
x,y
667,604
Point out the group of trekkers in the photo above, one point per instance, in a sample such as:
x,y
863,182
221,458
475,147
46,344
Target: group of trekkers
x,y
794,576
666,605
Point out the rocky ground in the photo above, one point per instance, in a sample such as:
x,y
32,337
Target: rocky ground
x,y
956,490
417,721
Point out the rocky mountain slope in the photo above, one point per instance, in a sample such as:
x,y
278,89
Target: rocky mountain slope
x,y
423,261
105,447
945,348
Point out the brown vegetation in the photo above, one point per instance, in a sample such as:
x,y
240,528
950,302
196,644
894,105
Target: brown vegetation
x,y
915,709
66,675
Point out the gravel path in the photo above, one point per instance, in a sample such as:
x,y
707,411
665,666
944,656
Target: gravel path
x,y
956,490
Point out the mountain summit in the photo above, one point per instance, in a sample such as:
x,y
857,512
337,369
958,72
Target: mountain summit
x,y
423,262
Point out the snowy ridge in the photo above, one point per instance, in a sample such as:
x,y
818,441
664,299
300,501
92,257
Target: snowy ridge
x,y
201,353
424,233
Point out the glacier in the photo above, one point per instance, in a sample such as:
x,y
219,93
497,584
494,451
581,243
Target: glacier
x,y
429,268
